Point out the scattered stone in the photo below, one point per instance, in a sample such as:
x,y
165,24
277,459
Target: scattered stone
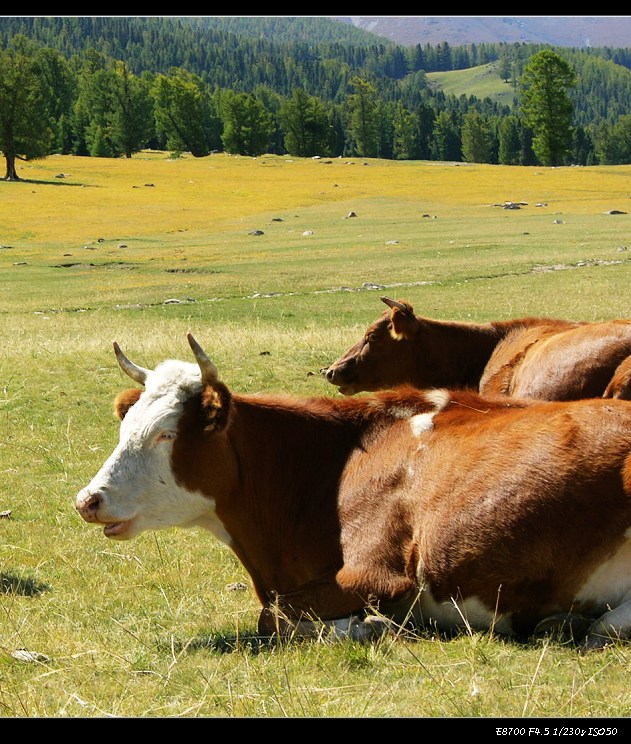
x,y
308,232
237,586
621,249
615,211
21,654
392,242
122,245
349,215
256,232
6,514
558,222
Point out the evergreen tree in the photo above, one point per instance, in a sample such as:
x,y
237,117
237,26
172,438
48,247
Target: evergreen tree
x,y
476,138
446,138
60,89
425,117
183,112
509,144
94,106
25,127
306,125
405,145
363,126
582,151
546,106
247,126
132,115
613,142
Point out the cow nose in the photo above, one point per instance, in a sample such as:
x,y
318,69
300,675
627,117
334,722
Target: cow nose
x,y
88,505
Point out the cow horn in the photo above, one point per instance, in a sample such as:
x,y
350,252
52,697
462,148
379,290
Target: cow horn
x,y
207,367
139,374
394,303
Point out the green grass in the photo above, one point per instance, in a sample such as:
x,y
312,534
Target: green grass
x,y
482,81
153,627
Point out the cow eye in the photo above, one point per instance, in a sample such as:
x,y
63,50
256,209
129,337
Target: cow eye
x,y
165,436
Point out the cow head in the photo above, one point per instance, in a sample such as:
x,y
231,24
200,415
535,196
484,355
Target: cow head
x,y
141,486
383,357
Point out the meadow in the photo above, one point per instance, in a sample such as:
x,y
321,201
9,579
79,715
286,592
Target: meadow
x,y
276,265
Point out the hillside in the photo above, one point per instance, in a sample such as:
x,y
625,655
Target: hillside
x,y
482,81
565,31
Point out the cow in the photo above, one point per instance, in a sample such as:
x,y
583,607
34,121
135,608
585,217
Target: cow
x,y
366,515
539,358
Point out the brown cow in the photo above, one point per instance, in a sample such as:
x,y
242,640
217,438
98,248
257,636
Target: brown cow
x,y
429,508
542,358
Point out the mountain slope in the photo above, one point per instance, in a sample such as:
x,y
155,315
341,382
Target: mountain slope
x,y
566,31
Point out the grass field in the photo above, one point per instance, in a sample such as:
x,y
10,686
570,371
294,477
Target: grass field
x,y
144,250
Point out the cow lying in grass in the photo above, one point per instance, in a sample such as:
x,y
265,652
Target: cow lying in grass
x,y
541,358
428,508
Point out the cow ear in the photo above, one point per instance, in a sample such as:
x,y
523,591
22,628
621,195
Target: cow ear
x,y
216,406
124,401
403,322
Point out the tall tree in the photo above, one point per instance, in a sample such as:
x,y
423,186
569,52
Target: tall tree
x,y
247,126
477,145
546,106
184,113
363,118
613,142
509,142
132,115
446,138
25,127
306,125
405,146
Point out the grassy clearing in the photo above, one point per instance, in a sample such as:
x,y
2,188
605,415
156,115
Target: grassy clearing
x,y
155,627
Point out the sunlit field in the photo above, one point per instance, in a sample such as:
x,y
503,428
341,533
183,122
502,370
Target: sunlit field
x,y
276,265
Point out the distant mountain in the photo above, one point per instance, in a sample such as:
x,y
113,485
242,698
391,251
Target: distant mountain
x,y
563,31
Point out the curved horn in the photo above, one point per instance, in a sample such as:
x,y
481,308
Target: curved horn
x,y
138,374
394,303
210,375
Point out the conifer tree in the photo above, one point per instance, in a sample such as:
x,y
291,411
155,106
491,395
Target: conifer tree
x,y
546,106
25,129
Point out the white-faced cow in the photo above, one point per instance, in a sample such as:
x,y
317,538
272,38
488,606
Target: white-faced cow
x,y
434,508
543,358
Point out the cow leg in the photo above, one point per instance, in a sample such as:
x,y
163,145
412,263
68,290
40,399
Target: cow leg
x,y
353,627
612,626
565,625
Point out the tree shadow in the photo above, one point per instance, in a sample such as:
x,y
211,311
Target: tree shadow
x,y
13,584
53,182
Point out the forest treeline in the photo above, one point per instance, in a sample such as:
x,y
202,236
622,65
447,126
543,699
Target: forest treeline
x,y
111,86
